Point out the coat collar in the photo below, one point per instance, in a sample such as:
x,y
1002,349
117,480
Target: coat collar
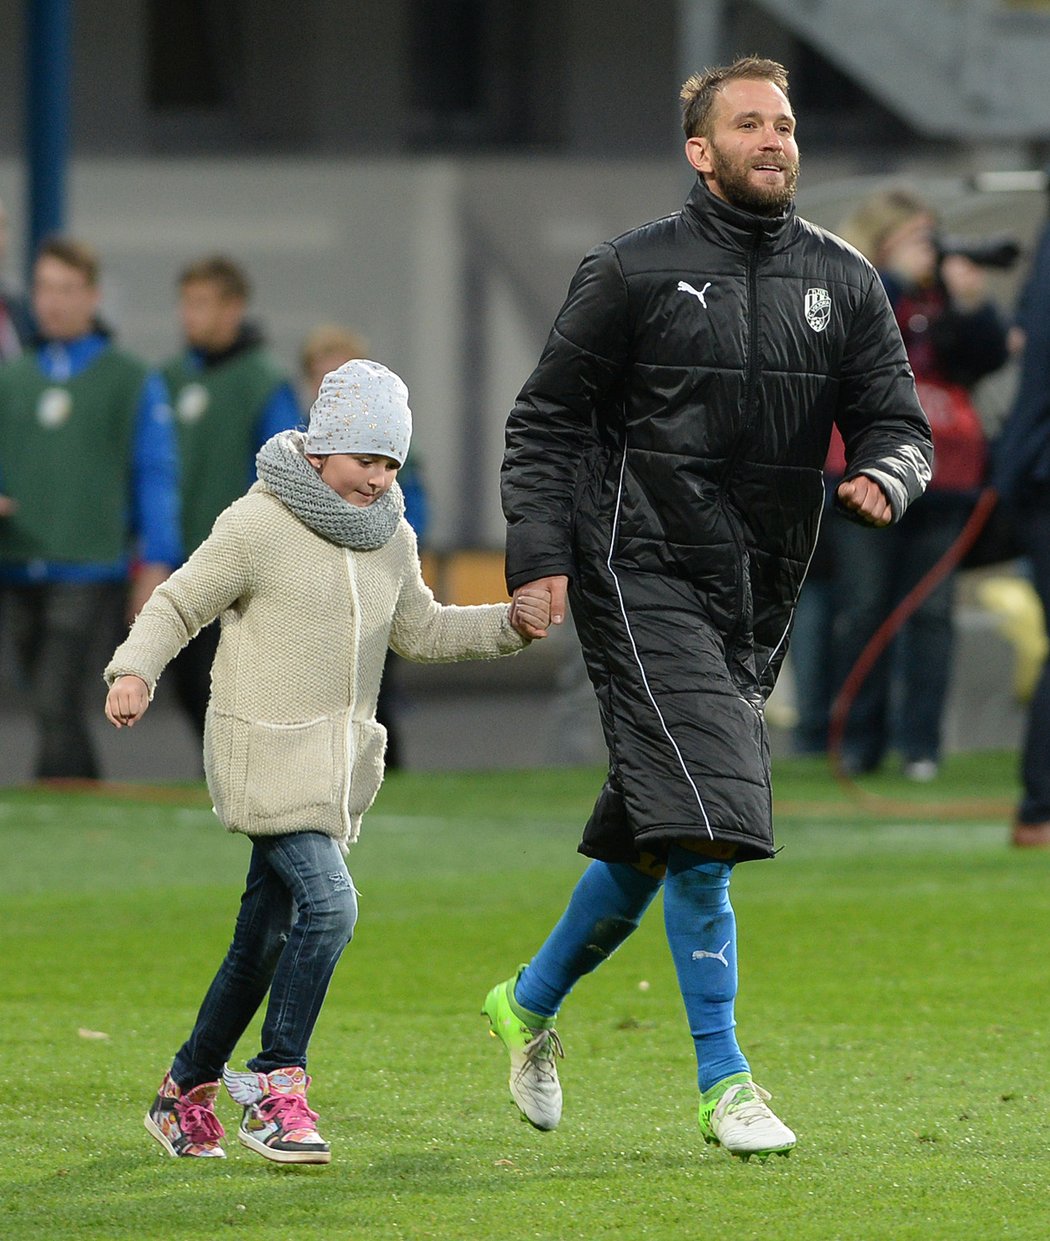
x,y
733,228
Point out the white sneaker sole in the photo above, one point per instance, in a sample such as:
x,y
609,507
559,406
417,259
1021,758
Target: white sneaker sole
x,y
267,1152
760,1155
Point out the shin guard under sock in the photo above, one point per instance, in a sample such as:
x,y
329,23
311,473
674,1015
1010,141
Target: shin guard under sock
x,y
604,909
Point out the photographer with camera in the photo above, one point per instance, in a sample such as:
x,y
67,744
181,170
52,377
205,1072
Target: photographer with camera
x,y
954,335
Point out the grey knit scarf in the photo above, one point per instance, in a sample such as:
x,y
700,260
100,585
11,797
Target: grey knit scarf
x,y
286,472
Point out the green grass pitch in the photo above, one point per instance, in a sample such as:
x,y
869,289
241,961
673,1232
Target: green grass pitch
x,y
894,998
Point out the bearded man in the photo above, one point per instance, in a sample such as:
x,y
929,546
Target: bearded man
x,y
663,471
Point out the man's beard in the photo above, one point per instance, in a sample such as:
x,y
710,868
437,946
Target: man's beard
x,y
732,178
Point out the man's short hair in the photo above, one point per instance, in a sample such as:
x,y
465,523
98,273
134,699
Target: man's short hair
x,y
699,91
73,253
228,277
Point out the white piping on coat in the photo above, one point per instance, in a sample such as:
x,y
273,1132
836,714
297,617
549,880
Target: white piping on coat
x,y
638,658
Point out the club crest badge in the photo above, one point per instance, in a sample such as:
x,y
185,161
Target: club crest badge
x,y
192,402
818,309
54,407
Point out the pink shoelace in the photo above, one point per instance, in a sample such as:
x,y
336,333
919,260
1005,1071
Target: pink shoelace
x,y
290,1111
197,1122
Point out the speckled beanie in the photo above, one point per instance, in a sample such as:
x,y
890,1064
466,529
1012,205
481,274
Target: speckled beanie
x,y
361,408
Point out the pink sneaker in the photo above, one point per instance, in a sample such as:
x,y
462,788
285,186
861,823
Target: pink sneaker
x,y
185,1124
277,1123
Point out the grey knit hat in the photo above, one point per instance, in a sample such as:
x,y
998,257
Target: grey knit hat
x,y
361,408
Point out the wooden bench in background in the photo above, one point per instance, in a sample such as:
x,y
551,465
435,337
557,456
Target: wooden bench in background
x,y
466,576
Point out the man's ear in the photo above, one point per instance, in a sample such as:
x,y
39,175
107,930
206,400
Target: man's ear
x,y
698,154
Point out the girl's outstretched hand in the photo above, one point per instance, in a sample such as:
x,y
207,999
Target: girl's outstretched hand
x,y
127,701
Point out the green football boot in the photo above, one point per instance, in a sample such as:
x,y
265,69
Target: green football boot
x,y
533,1046
734,1114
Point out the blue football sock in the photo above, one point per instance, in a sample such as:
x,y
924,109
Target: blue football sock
x,y
701,932
604,909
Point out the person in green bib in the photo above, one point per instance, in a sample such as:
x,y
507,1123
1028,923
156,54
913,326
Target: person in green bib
x,y
89,470
230,394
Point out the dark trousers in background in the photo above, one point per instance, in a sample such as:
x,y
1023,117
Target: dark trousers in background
x,y
58,631
190,673
1035,762
901,703
388,711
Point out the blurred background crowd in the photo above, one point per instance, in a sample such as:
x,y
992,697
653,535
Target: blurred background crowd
x,y
245,206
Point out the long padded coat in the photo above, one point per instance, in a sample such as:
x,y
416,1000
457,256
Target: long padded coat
x,y
666,455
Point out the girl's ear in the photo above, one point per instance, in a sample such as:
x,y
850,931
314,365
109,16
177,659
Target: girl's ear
x,y
314,460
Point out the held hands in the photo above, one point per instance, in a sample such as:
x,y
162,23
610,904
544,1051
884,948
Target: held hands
x,y
126,701
864,496
530,612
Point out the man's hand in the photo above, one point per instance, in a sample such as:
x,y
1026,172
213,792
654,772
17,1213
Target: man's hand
x,y
555,589
7,506
127,701
864,496
530,612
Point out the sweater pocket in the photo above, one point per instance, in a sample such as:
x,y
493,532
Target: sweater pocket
x,y
369,744
294,773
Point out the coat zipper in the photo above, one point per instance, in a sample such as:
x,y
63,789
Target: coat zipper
x,y
751,385
750,400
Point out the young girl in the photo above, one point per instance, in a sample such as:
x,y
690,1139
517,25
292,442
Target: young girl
x,y
314,573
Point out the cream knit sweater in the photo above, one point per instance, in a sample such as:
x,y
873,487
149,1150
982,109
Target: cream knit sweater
x,y
291,743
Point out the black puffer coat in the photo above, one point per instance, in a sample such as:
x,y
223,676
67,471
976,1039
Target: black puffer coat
x,y
666,455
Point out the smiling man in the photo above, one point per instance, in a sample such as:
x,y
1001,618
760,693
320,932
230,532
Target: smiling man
x,y
663,470
741,140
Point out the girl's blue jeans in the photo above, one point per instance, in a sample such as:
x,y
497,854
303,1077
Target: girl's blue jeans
x,y
297,915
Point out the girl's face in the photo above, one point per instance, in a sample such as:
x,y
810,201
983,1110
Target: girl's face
x,y
360,478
